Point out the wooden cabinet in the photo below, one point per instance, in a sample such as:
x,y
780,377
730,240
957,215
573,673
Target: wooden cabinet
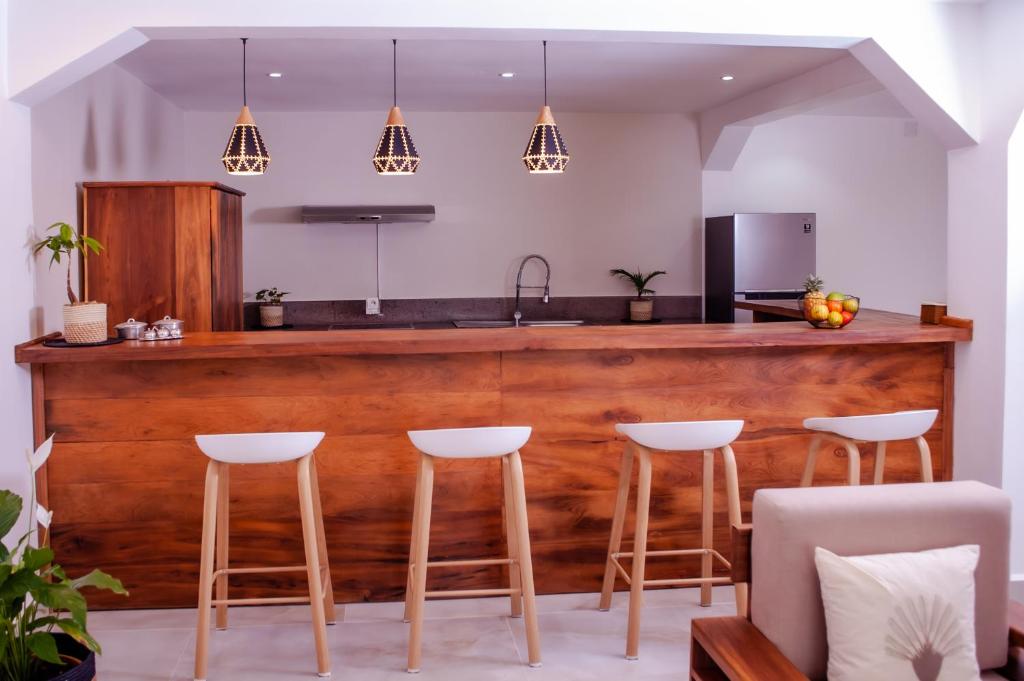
x,y
172,248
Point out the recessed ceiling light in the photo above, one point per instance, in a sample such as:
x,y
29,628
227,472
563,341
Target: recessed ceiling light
x,y
507,74
275,74
727,77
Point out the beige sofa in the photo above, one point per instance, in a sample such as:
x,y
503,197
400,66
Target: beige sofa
x,y
784,639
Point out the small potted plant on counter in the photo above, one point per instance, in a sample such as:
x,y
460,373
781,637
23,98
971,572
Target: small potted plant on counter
x,y
271,309
84,322
42,610
642,308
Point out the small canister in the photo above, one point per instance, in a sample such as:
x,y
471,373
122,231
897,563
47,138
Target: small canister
x,y
175,327
131,329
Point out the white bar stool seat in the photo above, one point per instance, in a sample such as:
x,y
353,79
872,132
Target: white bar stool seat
x,y
261,448
254,448
876,428
470,443
681,436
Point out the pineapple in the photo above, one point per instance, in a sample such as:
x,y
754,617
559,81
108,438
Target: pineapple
x,y
814,295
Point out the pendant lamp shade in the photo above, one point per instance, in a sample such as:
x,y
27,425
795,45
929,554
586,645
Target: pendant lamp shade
x,y
396,154
546,152
245,154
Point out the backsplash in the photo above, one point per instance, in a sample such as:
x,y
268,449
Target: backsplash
x,y
317,313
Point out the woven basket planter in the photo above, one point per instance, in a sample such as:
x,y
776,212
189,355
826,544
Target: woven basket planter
x,y
271,315
85,323
641,310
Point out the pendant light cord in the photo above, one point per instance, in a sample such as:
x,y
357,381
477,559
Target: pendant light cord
x,y
245,97
545,73
394,72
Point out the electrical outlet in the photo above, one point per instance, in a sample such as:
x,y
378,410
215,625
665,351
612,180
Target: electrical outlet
x,y
373,306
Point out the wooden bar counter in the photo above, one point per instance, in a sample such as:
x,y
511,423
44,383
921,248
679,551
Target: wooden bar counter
x,y
125,480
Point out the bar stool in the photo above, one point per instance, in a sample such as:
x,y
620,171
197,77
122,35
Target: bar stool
x,y
261,448
472,443
644,439
877,428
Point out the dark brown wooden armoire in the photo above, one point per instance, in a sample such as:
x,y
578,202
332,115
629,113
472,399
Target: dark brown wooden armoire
x,y
172,248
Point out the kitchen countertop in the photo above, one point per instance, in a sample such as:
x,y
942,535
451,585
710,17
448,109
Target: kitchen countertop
x,y
870,327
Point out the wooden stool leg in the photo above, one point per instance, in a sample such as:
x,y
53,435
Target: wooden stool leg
x,y
636,587
407,617
330,613
515,582
812,457
926,459
515,464
419,578
707,532
309,540
732,488
222,546
879,462
853,461
206,568
618,522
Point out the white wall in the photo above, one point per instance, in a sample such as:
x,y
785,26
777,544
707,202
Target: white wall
x,y
109,126
630,197
15,282
879,195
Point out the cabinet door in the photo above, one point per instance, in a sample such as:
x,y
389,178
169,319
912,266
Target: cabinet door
x,y
135,274
192,287
226,239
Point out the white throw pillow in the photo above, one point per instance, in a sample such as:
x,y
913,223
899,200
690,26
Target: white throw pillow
x,y
900,616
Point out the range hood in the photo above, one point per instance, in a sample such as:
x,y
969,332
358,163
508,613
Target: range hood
x,y
360,214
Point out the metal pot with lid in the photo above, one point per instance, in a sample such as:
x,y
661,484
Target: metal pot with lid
x,y
174,327
130,329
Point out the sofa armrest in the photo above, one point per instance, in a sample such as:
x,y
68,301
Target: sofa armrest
x,y
733,649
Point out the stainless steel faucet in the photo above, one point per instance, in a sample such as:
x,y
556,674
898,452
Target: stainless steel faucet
x,y
519,283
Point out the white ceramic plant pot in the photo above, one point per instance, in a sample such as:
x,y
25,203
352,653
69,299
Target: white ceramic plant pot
x,y
271,315
85,323
641,310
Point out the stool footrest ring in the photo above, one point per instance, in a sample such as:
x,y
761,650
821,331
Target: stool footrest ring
x,y
469,593
458,563
261,601
258,570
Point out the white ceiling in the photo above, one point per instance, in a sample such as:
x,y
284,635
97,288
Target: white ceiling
x,y
462,75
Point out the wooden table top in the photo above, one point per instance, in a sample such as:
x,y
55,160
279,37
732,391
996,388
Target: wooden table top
x,y
870,327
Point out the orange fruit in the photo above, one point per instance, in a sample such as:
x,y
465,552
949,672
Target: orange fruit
x,y
835,306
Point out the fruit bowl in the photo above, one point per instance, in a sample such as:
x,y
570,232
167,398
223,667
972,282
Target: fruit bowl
x,y
829,312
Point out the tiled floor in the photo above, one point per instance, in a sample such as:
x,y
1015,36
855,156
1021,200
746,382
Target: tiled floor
x,y
473,640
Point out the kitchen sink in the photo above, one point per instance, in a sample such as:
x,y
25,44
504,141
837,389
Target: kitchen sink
x,y
504,323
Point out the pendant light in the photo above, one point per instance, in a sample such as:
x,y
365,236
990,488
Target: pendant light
x,y
245,154
546,152
396,154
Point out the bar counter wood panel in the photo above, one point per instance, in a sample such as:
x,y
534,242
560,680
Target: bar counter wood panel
x,y
125,480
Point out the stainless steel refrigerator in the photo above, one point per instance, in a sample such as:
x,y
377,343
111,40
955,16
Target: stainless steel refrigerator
x,y
755,256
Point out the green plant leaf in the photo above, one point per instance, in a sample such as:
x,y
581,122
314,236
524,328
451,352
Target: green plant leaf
x,y
36,558
44,646
79,633
18,584
10,511
61,596
100,580
66,234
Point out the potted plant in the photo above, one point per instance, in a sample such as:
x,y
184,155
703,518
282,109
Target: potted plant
x,y
84,322
42,610
271,309
642,308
